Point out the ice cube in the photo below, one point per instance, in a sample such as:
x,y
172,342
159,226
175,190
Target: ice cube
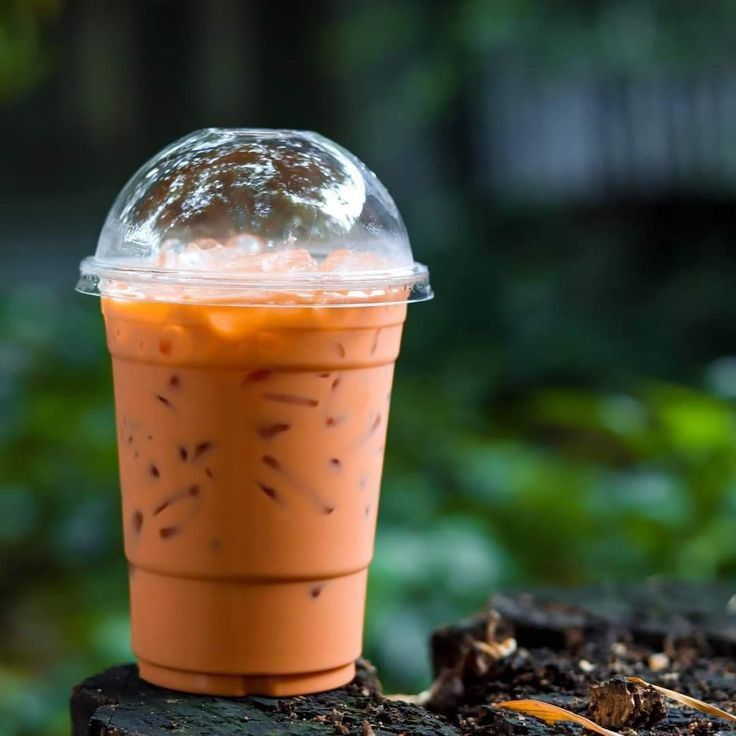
x,y
205,253
296,260
246,244
343,260
242,252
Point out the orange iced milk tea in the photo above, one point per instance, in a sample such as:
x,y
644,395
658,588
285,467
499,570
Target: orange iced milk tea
x,y
254,288
251,443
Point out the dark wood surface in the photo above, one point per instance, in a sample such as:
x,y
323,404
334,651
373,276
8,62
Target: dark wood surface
x,y
553,645
118,703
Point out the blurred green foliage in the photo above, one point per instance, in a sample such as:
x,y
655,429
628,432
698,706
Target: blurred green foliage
x,y
23,53
530,441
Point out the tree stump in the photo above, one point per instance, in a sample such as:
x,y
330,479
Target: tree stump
x,y
118,703
572,648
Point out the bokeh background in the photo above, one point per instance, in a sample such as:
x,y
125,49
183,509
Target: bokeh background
x,y
563,410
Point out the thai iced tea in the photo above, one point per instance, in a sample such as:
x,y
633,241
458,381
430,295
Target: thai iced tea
x,y
254,286
251,443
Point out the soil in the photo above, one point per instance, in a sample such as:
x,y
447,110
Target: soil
x,y
682,637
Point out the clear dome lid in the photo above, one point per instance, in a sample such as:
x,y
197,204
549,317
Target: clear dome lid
x,y
247,216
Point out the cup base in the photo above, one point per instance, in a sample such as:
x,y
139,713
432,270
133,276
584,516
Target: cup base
x,y
206,683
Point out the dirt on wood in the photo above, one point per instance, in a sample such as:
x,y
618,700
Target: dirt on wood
x,y
573,649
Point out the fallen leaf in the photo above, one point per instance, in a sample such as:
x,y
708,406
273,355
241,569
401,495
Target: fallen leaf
x,y
552,714
711,710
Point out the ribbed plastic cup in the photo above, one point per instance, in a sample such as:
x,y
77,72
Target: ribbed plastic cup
x,y
254,287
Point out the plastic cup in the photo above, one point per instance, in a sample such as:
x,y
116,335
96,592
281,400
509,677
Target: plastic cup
x,y
254,287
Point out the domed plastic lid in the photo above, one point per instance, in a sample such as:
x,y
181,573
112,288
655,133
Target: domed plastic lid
x,y
241,216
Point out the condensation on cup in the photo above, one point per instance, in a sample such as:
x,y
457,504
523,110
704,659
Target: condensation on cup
x,y
254,286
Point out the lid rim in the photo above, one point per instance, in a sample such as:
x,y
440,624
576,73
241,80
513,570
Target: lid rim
x,y
257,280
400,286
